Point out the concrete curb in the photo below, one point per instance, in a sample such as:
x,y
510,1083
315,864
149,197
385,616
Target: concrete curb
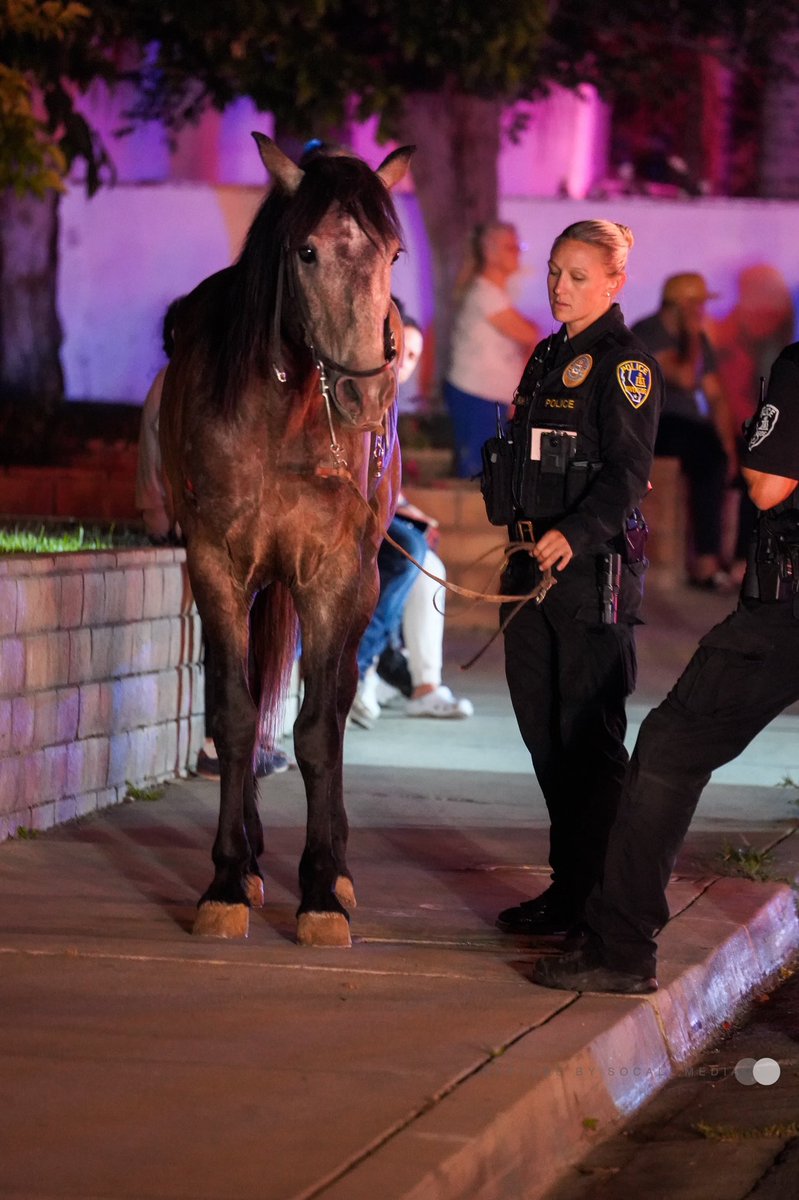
x,y
510,1128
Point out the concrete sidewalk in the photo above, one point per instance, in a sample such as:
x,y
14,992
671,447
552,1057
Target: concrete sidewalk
x,y
137,1063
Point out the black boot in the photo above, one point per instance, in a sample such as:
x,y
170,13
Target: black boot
x,y
586,971
548,915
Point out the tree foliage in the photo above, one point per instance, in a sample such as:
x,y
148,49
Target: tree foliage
x,y
47,52
309,61
317,63
627,50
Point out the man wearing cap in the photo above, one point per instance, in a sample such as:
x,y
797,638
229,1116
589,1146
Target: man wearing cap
x,y
695,423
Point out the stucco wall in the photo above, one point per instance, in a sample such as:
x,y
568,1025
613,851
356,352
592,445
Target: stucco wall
x,y
130,250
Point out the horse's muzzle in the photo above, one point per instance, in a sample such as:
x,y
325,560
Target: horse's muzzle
x,y
364,402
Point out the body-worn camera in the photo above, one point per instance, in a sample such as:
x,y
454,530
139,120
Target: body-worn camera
x,y
557,451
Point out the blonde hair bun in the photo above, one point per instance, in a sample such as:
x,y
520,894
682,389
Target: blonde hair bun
x,y
626,233
612,239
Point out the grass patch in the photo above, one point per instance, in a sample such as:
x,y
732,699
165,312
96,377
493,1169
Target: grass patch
x,y
63,539
788,782
729,1133
746,862
25,833
148,794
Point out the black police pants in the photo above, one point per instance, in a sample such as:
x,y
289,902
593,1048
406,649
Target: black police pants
x,y
568,682
743,674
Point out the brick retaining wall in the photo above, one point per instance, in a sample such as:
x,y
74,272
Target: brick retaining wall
x,y
100,680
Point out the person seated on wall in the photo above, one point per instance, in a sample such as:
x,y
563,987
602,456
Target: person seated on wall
x,y
747,341
491,342
409,603
151,495
695,424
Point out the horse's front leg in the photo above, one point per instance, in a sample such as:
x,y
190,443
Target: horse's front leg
x,y
223,909
330,679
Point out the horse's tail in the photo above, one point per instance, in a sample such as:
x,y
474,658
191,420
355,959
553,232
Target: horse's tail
x,y
274,632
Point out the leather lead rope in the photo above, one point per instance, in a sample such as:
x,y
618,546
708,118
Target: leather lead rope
x,y
536,596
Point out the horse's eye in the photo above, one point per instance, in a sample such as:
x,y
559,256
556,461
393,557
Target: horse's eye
x,y
396,256
307,254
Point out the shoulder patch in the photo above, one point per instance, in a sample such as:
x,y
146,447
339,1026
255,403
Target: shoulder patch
x,y
635,380
577,370
766,420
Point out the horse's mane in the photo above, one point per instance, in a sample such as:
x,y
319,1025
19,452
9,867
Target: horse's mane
x,y
285,221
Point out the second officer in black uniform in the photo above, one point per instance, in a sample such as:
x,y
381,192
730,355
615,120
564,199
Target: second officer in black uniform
x,y
744,672
568,483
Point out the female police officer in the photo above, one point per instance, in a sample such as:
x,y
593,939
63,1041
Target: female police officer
x,y
577,464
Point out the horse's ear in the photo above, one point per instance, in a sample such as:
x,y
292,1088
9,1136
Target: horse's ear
x,y
278,164
392,169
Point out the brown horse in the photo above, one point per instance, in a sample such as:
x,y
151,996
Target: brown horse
x,y
278,433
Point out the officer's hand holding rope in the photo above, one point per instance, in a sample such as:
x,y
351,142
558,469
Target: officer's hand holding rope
x,y
552,550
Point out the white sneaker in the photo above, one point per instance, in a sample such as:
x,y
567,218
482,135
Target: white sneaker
x,y
365,709
440,703
387,695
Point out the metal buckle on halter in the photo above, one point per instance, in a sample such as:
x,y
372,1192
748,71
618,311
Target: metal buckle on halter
x,y
379,455
340,464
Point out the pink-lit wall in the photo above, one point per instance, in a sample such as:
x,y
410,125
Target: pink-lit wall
x,y
126,253
179,214
101,682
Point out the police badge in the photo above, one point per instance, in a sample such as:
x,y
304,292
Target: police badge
x,y
635,380
576,371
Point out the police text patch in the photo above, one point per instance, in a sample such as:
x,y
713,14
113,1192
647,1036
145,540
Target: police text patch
x,y
635,380
766,420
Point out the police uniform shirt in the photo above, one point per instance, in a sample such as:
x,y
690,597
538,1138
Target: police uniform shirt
x,y
772,444
607,387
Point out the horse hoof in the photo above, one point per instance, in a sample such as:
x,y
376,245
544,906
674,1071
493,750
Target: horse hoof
x,y
344,892
254,890
323,929
215,919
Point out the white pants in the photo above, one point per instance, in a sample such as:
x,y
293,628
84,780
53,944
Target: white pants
x,y
423,624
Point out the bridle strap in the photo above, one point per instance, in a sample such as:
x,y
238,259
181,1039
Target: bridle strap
x,y
277,317
390,351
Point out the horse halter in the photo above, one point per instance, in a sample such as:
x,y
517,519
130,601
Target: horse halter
x,y
331,372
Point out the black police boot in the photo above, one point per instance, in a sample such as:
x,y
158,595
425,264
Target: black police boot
x,y
577,937
586,971
548,915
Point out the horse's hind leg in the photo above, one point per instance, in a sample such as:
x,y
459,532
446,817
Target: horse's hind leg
x,y
253,880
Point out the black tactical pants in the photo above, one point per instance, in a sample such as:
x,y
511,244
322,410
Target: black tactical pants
x,y
743,674
568,682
